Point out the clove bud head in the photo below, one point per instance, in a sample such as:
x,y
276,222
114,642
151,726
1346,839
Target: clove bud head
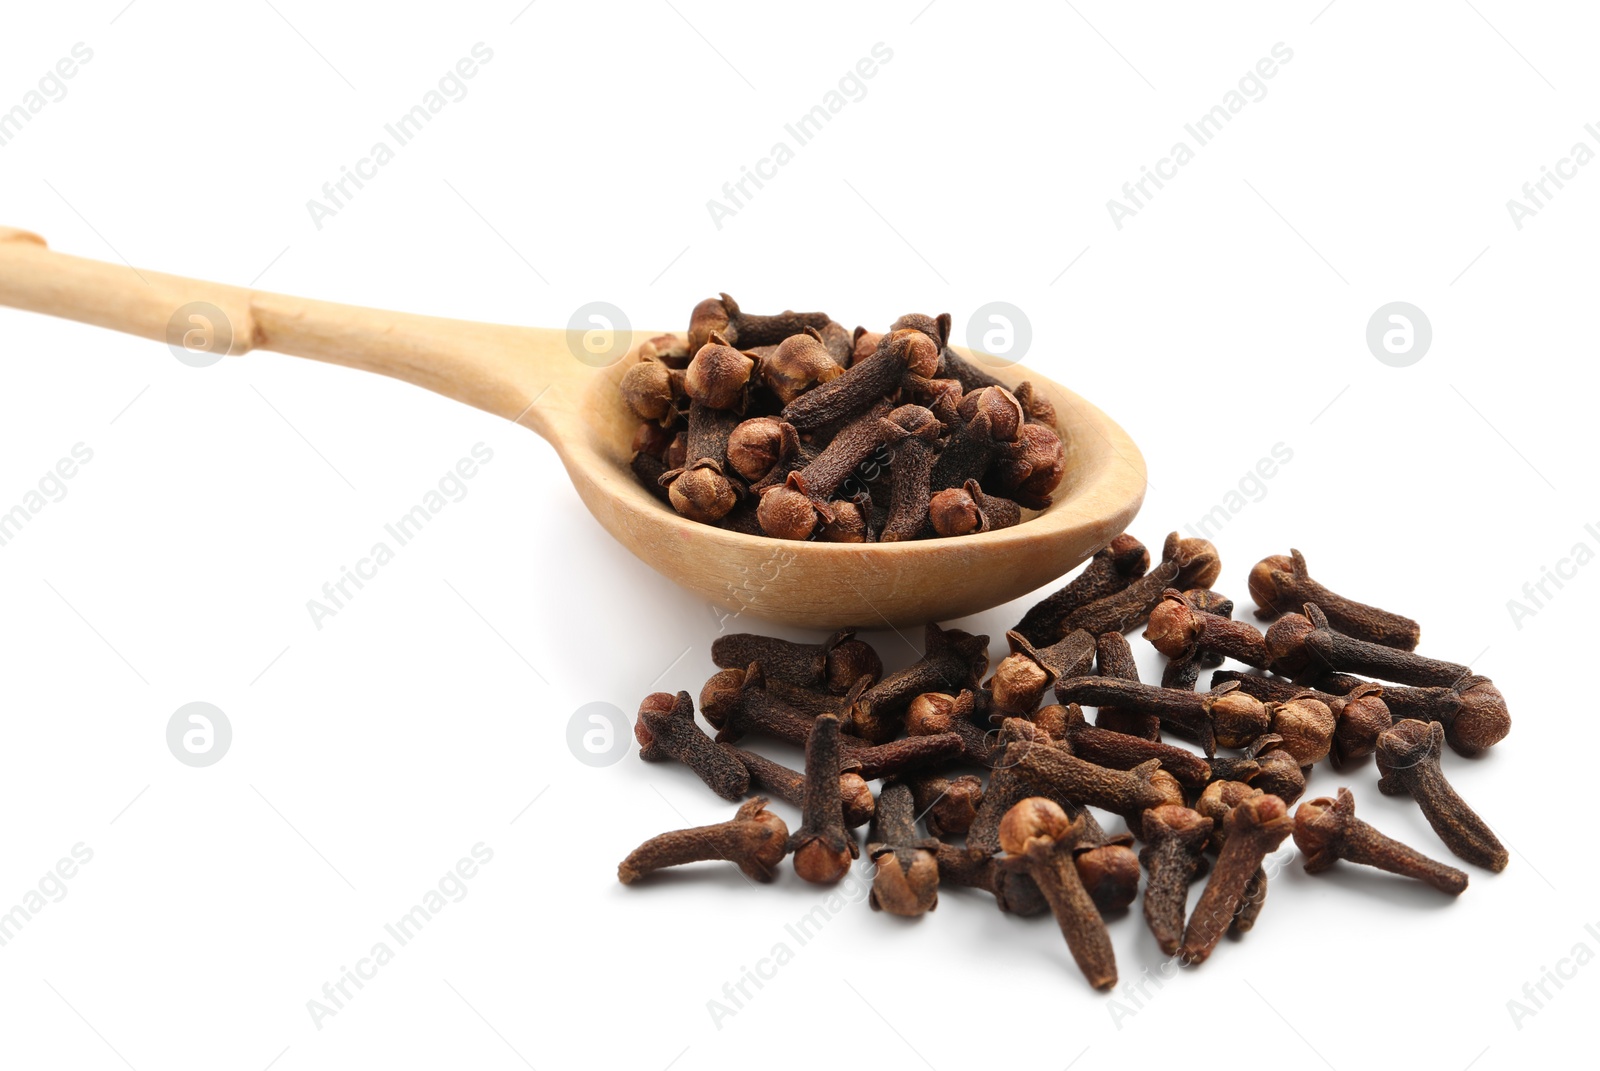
x,y
647,388
717,376
1307,727
702,493
1035,822
1483,720
1238,718
1018,684
1174,626
1005,413
786,513
1264,587
755,445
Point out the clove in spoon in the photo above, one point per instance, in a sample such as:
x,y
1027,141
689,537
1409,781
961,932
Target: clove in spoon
x,y
531,376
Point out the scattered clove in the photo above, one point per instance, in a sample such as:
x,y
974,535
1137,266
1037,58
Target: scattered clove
x,y
906,882
1328,830
754,840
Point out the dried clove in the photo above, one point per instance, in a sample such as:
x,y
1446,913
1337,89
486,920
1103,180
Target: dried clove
x,y
1129,793
822,846
1327,830
906,881
1023,676
864,383
932,713
1306,726
1116,660
754,840
947,805
836,663
1225,715
1119,751
1178,629
952,660
1185,563
1306,645
1281,585
790,785
666,729
1175,838
1038,838
965,510
1113,568
1408,763
1251,830
898,758
722,315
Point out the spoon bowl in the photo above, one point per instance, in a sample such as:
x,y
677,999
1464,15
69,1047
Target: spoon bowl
x,y
546,380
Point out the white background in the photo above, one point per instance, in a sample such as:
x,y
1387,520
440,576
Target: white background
x,y
1227,316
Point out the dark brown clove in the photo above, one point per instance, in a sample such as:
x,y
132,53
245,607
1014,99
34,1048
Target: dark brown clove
x,y
836,663
666,729
1116,660
1175,838
1178,629
947,805
1038,838
1252,829
1408,763
790,785
912,754
1054,772
1023,676
1113,568
952,660
906,881
1305,645
1327,830
1282,584
822,846
723,316
1119,751
932,713
1225,715
965,510
866,382
754,840
1185,563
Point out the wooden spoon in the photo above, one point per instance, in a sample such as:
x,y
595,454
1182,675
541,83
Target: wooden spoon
x,y
532,376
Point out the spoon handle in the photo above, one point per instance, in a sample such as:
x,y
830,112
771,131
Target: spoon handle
x,y
494,367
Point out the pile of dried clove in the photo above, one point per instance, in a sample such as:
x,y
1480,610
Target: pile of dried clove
x,y
792,426
1030,831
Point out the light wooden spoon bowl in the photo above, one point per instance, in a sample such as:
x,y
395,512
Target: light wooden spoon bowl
x,y
533,376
